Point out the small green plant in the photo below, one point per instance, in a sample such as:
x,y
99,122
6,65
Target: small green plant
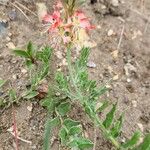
x,y
37,62
75,87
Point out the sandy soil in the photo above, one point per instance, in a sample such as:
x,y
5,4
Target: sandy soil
x,y
122,53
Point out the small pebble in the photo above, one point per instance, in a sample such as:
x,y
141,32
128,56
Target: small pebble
x,y
30,107
91,64
24,71
14,76
12,15
115,54
128,80
11,45
116,77
110,32
59,54
134,103
8,38
115,3
140,126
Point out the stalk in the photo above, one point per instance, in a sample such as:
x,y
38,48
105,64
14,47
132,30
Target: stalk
x,y
95,118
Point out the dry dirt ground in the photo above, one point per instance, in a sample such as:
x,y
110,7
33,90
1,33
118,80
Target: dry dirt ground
x,y
121,53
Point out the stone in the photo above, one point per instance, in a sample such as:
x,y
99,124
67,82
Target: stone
x,y
59,54
134,103
24,71
115,3
91,64
110,32
116,77
140,126
11,45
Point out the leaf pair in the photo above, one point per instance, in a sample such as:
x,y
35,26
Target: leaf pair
x,y
70,134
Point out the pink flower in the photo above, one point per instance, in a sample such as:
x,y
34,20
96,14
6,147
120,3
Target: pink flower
x,y
83,20
54,20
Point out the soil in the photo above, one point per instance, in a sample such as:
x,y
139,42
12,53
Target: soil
x,y
122,53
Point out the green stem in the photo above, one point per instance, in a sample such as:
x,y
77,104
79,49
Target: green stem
x,y
95,119
72,73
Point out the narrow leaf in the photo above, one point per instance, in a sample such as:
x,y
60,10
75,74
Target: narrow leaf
x,y
63,135
64,108
133,141
84,143
50,124
145,145
110,116
2,82
30,48
31,94
117,127
70,123
75,130
103,107
21,53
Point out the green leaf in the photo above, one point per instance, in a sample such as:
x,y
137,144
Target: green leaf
x,y
55,122
110,116
30,94
104,105
30,48
50,124
70,123
2,82
64,108
75,130
84,143
49,103
2,102
83,57
29,63
63,135
21,53
117,127
145,145
89,111
133,141
12,95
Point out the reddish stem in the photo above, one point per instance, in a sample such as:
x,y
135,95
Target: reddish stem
x,y
15,128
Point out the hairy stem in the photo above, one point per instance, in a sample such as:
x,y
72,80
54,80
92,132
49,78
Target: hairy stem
x,y
95,118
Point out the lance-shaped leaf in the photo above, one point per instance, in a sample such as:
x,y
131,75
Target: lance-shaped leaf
x,y
110,116
2,82
75,130
145,145
63,135
30,94
83,57
84,143
50,124
115,131
64,108
133,141
30,49
22,53
70,123
104,105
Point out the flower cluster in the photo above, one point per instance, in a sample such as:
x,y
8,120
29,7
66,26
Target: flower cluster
x,y
68,28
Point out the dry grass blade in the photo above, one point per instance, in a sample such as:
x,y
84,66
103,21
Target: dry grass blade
x,y
21,11
24,7
121,37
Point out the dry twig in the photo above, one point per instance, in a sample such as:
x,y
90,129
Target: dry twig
x,y
21,11
121,36
24,7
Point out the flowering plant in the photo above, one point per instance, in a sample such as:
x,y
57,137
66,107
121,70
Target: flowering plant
x,y
67,23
